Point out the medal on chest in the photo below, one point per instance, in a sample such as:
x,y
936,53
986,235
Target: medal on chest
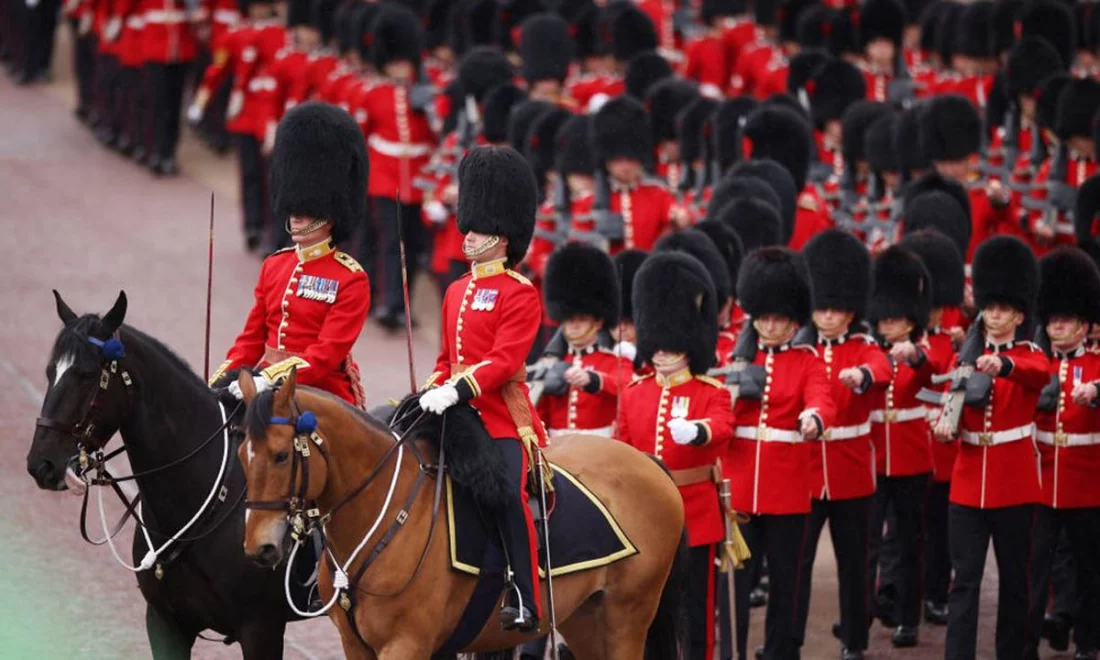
x,y
484,300
321,289
680,406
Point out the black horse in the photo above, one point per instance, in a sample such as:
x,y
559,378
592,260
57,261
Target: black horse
x,y
106,377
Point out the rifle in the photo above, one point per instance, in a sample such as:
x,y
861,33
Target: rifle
x,y
902,90
968,387
562,215
743,378
1009,149
609,226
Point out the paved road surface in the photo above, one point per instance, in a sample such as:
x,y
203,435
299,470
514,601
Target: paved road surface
x,y
89,223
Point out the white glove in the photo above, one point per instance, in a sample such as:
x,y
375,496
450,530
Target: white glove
x,y
31,4
194,113
113,28
683,431
261,385
436,212
627,350
439,399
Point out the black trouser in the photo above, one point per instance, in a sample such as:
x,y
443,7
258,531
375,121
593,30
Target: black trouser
x,y
971,529
517,526
849,525
132,109
107,88
166,97
781,540
39,25
1077,599
907,495
84,65
886,557
253,185
386,254
699,603
937,555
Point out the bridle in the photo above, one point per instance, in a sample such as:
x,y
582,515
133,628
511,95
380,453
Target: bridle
x,y
304,516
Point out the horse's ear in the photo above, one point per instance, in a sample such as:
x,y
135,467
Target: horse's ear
x,y
247,385
113,319
66,314
284,397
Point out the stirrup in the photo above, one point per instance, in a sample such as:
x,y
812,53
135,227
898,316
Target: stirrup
x,y
518,618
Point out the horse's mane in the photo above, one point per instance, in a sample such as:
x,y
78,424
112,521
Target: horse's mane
x,y
259,413
73,341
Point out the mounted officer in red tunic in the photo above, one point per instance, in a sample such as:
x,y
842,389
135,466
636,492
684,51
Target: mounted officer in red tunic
x,y
312,299
491,317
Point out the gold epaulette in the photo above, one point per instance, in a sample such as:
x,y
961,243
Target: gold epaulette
x,y
638,379
518,277
710,381
348,261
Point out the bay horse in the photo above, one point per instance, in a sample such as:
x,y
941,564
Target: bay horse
x,y
409,601
106,376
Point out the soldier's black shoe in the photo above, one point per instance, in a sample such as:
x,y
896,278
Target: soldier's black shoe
x,y
935,613
1056,631
851,654
884,611
836,629
758,653
758,597
905,637
166,167
518,619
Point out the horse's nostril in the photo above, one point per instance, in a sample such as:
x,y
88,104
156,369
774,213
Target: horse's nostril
x,y
41,472
268,555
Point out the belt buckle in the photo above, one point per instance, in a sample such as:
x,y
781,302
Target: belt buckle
x,y
827,435
1061,439
762,433
891,416
985,439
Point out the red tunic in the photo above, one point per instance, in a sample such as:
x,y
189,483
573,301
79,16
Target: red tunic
x,y
768,463
749,69
811,217
997,466
738,34
1065,233
310,307
899,423
491,317
1068,438
842,460
649,403
399,140
243,53
308,86
645,210
590,410
586,87
942,355
708,62
168,34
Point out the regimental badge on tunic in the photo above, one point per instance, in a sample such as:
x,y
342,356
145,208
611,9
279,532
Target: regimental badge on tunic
x,y
321,289
484,300
680,407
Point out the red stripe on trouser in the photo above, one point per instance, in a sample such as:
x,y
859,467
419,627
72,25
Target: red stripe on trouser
x,y
532,544
710,599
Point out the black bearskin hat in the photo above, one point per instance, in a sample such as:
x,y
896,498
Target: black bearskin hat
x,y
322,14
631,31
878,145
929,20
298,13
780,134
396,35
676,309
521,119
627,264
944,262
1029,63
1003,25
840,271
834,86
844,35
545,48
581,279
620,129
700,246
726,122
756,222
950,128
949,17
774,280
973,36
437,23
800,70
789,14
815,25
1051,20
1005,271
474,25
1084,217
691,126
881,19
497,110
1077,105
728,243
1088,25
319,167
573,153
907,143
482,69
643,71
902,288
938,211
857,119
542,140
499,197
731,187
780,180
664,100
1046,106
1069,285
509,17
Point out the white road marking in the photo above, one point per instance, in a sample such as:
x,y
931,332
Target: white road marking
x,y
32,392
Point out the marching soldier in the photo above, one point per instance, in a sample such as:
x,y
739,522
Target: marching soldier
x,y
1066,434
582,295
491,318
546,48
708,59
171,44
784,401
899,310
627,264
842,459
312,299
995,484
834,87
680,415
664,101
881,26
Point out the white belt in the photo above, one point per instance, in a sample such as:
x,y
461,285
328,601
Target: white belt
x,y
605,431
996,437
847,432
767,434
165,16
135,22
1067,439
227,16
398,149
262,83
899,414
